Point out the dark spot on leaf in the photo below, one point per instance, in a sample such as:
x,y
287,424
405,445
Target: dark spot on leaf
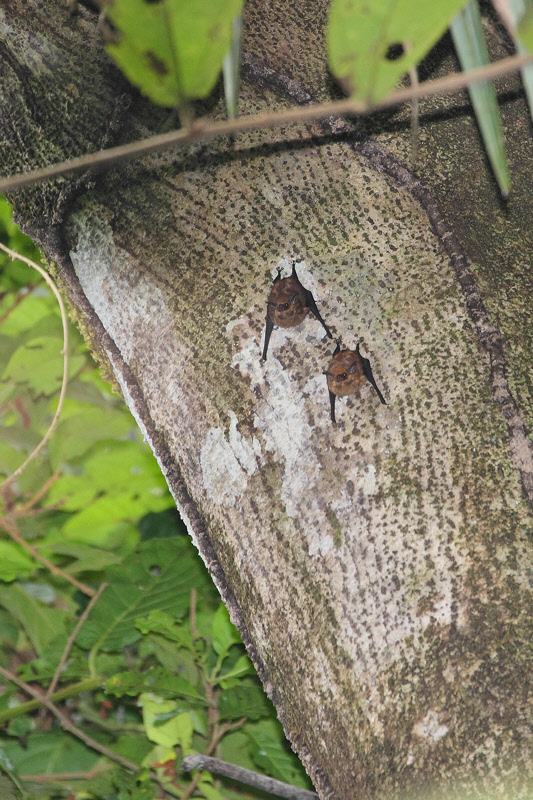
x,y
155,570
156,64
394,51
214,32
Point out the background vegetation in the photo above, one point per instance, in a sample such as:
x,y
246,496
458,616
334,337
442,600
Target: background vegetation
x,y
155,670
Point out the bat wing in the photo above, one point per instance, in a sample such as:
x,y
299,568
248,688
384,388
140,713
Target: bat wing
x,y
367,372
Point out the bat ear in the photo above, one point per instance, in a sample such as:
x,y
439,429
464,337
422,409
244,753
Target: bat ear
x,y
295,299
351,368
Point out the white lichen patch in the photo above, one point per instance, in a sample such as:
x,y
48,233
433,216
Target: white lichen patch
x,y
430,728
368,481
281,416
227,464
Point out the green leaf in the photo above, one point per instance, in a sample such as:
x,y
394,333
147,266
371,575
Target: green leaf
x,y
50,752
134,748
469,41
244,701
159,575
106,522
157,680
14,562
40,623
167,626
117,469
521,12
232,70
209,791
173,49
176,731
87,558
243,666
269,753
28,313
43,668
360,36
225,634
79,433
39,364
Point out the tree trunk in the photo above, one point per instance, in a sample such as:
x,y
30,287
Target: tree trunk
x,y
380,570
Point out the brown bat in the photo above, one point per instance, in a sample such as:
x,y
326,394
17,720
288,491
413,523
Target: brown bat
x,y
288,304
347,373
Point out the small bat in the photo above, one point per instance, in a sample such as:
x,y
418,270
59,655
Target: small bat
x,y
288,304
347,373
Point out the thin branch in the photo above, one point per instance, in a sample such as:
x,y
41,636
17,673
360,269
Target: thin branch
x,y
229,726
65,776
8,524
71,639
67,724
192,613
23,510
266,784
59,299
32,705
205,130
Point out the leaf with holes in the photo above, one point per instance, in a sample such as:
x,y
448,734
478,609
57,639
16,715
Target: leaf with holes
x,y
172,49
363,38
160,574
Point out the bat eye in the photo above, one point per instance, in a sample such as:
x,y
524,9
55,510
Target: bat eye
x,y
283,306
342,376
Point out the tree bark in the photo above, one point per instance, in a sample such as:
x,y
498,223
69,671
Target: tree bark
x,y
380,570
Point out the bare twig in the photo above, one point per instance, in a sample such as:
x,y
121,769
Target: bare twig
x,y
285,790
32,705
67,724
204,129
65,776
8,524
59,299
229,726
71,639
23,510
192,613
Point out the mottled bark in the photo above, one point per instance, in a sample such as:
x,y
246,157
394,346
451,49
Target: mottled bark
x,y
380,571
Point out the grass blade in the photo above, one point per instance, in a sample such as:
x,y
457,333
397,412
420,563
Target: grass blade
x,y
469,41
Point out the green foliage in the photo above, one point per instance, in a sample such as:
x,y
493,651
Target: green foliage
x,y
361,35
469,41
157,670
173,49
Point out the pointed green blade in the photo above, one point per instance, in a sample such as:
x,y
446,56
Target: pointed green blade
x,y
469,41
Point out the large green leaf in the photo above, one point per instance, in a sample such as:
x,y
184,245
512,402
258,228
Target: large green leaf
x,y
39,364
50,752
14,562
469,41
41,624
521,12
172,49
77,434
361,36
116,469
160,575
244,701
158,680
269,753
